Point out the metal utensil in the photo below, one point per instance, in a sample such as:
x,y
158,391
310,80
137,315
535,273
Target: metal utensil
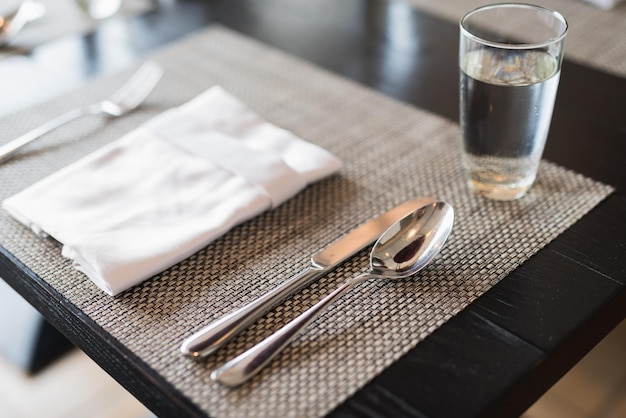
x,y
126,99
405,248
13,22
215,335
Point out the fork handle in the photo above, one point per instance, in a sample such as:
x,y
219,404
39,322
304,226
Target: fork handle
x,y
8,150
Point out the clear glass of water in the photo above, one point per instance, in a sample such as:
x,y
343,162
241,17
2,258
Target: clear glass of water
x,y
510,61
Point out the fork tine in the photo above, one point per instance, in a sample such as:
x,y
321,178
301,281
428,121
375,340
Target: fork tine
x,y
135,90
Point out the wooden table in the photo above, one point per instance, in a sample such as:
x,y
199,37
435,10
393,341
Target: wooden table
x,y
502,353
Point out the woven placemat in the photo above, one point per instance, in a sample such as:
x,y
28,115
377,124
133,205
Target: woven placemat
x,y
596,37
392,152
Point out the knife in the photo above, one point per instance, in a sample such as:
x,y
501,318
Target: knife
x,y
209,339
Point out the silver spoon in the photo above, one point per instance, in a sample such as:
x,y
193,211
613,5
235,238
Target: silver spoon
x,y
13,22
405,248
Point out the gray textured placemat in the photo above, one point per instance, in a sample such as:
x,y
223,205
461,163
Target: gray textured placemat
x,y
392,152
596,37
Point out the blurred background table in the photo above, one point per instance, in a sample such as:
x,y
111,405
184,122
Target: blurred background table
x,y
496,357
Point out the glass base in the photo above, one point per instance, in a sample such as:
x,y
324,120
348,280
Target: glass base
x,y
500,191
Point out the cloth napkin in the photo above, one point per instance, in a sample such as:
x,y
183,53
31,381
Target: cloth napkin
x,y
169,188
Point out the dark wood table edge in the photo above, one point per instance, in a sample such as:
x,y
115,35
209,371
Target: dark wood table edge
x,y
165,401
539,380
541,370
117,360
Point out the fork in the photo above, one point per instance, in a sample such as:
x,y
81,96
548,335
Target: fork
x,y
124,100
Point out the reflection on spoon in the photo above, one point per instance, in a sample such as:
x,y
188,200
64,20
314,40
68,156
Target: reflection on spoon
x,y
405,248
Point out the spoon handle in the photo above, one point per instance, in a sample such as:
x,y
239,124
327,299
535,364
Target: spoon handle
x,y
243,367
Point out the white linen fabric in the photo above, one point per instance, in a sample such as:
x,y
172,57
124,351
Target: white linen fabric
x,y
167,189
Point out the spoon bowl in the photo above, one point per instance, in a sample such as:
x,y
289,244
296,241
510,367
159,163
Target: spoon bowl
x,y
413,242
405,248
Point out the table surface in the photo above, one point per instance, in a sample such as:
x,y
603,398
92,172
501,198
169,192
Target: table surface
x,y
507,348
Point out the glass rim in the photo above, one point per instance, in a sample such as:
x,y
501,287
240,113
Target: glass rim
x,y
502,45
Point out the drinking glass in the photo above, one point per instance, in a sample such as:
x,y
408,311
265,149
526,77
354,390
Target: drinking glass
x,y
510,61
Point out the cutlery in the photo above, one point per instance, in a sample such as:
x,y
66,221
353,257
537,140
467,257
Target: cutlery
x,y
120,103
209,339
13,22
405,248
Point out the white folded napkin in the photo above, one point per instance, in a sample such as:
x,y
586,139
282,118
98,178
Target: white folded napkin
x,y
167,189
